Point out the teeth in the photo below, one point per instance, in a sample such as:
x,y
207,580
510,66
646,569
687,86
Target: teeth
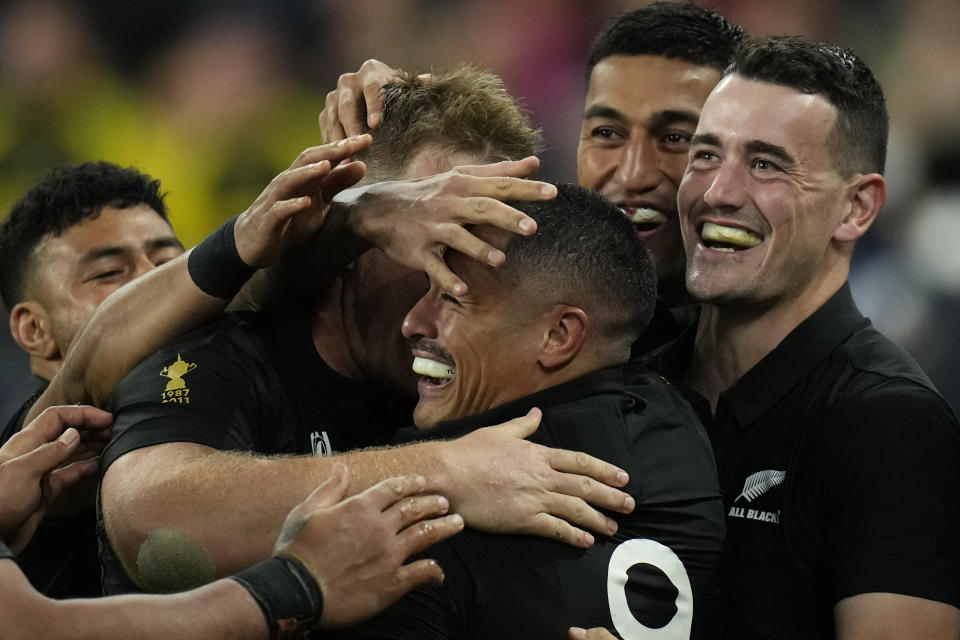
x,y
433,368
644,215
730,235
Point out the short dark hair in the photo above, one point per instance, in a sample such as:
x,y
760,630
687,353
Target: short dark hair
x,y
586,248
64,197
675,30
461,109
859,138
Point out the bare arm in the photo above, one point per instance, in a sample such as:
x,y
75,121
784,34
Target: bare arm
x,y
187,503
354,549
876,616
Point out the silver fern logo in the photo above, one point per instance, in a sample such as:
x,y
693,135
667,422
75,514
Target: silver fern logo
x,y
760,482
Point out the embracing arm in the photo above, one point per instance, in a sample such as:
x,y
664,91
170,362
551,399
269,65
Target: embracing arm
x,y
220,511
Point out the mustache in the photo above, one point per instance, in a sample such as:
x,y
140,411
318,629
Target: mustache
x,y
428,346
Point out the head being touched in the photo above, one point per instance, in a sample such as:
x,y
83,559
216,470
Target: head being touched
x,y
570,299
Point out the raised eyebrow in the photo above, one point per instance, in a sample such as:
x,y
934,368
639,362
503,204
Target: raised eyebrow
x,y
603,111
775,150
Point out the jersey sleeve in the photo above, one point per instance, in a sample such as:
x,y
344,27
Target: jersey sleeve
x,y
192,391
892,495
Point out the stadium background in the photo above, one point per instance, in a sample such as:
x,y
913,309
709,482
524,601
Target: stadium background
x,y
215,98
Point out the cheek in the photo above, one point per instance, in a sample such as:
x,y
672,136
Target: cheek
x,y
673,165
594,166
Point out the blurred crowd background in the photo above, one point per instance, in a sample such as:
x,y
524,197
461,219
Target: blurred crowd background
x,y
215,98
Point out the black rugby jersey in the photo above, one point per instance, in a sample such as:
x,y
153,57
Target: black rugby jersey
x,y
246,382
839,466
656,573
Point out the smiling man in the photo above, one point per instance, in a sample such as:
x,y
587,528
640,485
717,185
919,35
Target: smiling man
x,y
79,234
837,456
550,329
648,74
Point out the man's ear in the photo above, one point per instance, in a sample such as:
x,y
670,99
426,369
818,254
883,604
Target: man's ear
x,y
30,328
564,337
866,195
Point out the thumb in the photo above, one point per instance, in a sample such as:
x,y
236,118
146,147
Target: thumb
x,y
332,490
524,426
46,457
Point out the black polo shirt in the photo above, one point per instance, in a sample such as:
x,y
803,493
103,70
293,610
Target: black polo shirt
x,y
60,561
499,586
246,382
839,466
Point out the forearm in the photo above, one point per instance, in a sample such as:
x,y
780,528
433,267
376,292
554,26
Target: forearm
x,y
214,513
223,609
129,325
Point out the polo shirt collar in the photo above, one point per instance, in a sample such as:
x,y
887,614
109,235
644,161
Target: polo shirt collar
x,y
794,358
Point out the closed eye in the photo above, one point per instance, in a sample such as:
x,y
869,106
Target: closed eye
x,y
448,298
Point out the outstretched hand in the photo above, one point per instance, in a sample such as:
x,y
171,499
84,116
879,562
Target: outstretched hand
x,y
294,205
356,547
29,475
414,221
506,484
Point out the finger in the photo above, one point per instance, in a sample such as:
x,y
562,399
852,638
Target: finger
x,y
294,181
486,210
60,479
386,492
440,273
462,240
523,168
506,188
373,98
330,127
333,152
330,491
580,514
524,426
48,456
405,512
595,493
582,464
426,533
347,107
342,177
415,574
50,424
547,526
576,633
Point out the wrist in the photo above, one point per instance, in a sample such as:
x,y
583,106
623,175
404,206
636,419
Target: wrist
x,y
215,265
287,594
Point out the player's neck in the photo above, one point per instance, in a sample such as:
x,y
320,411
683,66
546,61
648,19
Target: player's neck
x,y
731,339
